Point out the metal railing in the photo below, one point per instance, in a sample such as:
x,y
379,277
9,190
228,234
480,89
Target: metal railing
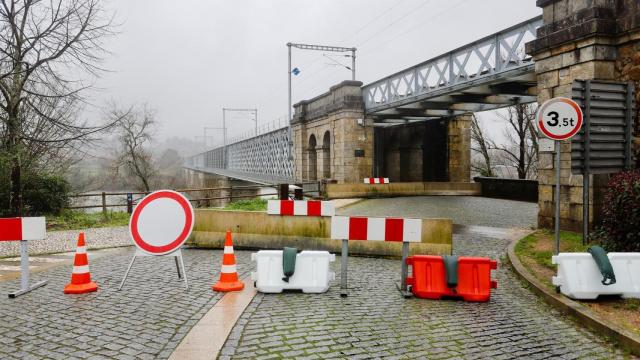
x,y
129,200
485,59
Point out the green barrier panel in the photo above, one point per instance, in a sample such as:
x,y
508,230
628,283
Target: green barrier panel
x,y
451,267
602,260
289,255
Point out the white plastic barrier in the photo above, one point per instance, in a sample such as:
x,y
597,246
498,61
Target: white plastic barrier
x,y
579,277
311,274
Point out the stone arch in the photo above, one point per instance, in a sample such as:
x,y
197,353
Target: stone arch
x,y
313,159
326,155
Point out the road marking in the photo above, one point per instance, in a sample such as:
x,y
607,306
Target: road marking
x,y
206,338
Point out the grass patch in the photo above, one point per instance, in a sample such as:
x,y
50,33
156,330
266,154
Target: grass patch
x,y
541,251
248,205
74,220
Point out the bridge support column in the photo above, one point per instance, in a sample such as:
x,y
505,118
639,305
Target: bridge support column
x,y
580,40
334,123
459,149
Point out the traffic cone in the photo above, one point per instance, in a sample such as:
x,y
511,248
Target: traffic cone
x,y
80,277
228,275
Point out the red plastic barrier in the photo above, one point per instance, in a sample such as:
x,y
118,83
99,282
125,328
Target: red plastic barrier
x,y
428,278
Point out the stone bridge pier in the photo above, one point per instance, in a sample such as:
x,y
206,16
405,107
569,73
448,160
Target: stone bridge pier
x,y
334,140
581,40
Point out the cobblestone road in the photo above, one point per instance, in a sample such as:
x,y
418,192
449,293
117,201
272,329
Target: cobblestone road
x,y
467,210
146,320
376,322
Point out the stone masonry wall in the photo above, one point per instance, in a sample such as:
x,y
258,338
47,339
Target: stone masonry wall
x,y
580,40
338,113
460,148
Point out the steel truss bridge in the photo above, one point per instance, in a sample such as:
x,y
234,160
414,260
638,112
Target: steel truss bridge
x,y
487,74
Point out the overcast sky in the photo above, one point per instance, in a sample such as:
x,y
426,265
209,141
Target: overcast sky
x,y
188,59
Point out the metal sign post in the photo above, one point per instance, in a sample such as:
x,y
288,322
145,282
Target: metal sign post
x,y
557,215
559,119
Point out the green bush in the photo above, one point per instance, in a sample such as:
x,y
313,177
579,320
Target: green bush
x,y
41,194
45,194
620,229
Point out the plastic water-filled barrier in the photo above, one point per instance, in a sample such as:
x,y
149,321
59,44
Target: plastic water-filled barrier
x,y
311,273
579,276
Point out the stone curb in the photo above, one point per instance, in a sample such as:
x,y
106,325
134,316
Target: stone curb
x,y
573,308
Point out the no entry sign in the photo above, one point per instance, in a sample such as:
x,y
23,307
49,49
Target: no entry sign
x,y
559,118
159,225
161,222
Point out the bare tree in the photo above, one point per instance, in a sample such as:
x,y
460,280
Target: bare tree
x,y
480,144
50,52
135,133
521,149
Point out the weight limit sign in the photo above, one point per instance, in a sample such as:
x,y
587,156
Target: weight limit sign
x,y
559,118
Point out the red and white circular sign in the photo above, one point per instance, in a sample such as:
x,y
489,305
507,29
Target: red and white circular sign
x,y
559,118
161,222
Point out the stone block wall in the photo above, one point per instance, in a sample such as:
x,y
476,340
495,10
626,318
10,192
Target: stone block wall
x,y
580,40
459,132
340,114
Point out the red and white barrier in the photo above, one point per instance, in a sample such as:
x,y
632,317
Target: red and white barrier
x,y
300,207
376,229
23,230
377,180
347,228
27,228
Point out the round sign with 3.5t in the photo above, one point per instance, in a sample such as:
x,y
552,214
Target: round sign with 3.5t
x,y
559,118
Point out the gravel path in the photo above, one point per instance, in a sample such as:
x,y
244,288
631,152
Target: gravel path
x,y
63,241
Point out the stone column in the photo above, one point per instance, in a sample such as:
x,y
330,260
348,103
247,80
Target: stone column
x,y
340,111
459,136
579,40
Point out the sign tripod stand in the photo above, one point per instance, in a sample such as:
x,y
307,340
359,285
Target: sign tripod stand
x,y
160,224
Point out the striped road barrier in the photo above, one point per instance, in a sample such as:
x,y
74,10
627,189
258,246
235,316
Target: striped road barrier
x,y
23,229
300,207
402,230
377,180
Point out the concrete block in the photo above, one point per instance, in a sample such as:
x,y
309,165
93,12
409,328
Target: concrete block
x,y
253,229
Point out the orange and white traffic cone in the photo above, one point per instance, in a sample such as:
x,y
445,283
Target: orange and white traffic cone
x,y
228,274
80,277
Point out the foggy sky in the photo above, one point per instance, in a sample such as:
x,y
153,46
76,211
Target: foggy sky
x,y
188,59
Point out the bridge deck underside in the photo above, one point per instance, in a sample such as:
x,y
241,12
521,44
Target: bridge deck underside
x,y
516,87
260,179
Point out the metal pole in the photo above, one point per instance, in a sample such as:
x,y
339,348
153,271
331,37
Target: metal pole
x,y
255,118
24,265
557,217
353,64
405,270
586,143
289,108
224,139
343,267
